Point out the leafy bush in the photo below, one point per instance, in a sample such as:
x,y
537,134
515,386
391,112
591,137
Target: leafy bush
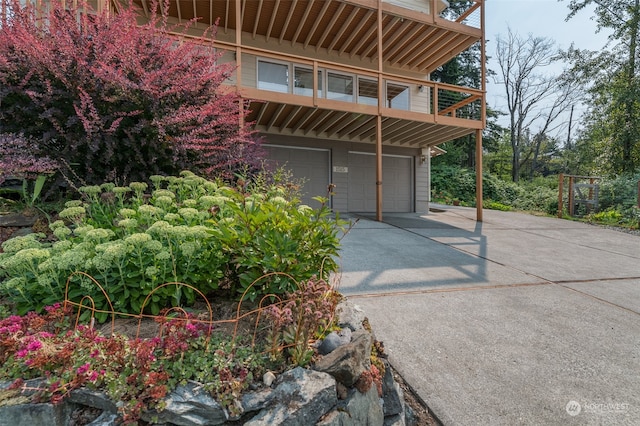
x,y
263,232
187,229
459,183
114,100
619,192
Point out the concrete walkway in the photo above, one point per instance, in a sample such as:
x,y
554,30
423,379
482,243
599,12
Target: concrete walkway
x,y
519,320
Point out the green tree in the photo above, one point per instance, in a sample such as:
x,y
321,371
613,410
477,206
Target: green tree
x,y
611,79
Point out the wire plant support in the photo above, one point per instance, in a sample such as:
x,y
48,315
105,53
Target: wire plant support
x,y
178,313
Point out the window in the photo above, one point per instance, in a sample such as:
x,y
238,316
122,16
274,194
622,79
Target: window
x,y
339,87
273,76
367,91
397,96
303,81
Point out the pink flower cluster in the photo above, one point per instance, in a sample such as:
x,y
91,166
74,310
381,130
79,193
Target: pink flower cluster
x,y
19,158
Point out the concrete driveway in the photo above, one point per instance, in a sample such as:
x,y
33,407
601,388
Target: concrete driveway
x,y
518,320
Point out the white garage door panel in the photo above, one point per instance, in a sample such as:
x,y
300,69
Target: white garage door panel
x,y
397,188
310,165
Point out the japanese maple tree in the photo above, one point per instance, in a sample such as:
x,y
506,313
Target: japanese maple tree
x,y
116,100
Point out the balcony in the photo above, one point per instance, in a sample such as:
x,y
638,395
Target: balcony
x,y
347,28
321,73
342,103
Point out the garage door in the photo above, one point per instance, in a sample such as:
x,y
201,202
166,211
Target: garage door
x,y
312,165
397,184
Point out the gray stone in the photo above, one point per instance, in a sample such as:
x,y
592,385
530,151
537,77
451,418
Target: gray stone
x,y
22,232
348,362
334,340
256,401
35,414
365,408
92,398
350,315
336,418
329,343
188,405
345,335
391,393
410,416
268,378
105,419
17,220
395,420
301,398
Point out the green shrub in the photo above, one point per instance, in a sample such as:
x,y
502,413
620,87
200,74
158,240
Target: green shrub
x,y
619,192
494,205
186,230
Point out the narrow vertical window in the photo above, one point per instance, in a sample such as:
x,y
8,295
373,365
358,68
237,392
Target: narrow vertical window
x,y
367,92
303,81
339,87
273,76
397,96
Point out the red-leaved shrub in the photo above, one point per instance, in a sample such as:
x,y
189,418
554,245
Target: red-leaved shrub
x,y
117,100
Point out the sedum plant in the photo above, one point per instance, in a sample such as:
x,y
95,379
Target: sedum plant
x,y
180,229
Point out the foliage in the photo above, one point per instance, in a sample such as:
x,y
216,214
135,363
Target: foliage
x,y
187,229
112,100
307,313
268,231
618,201
20,158
459,183
610,79
137,372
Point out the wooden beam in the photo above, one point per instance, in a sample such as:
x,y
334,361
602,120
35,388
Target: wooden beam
x,y
337,116
397,32
468,12
460,104
401,44
303,120
257,20
364,39
285,27
479,175
355,122
416,47
322,116
343,28
275,116
274,14
302,22
329,26
318,19
292,115
263,109
355,32
379,174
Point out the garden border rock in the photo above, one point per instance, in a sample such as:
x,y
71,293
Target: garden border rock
x,y
323,395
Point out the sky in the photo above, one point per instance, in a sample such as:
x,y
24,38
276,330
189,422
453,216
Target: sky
x,y
540,18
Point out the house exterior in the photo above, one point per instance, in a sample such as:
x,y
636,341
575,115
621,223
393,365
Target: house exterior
x,y
341,91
